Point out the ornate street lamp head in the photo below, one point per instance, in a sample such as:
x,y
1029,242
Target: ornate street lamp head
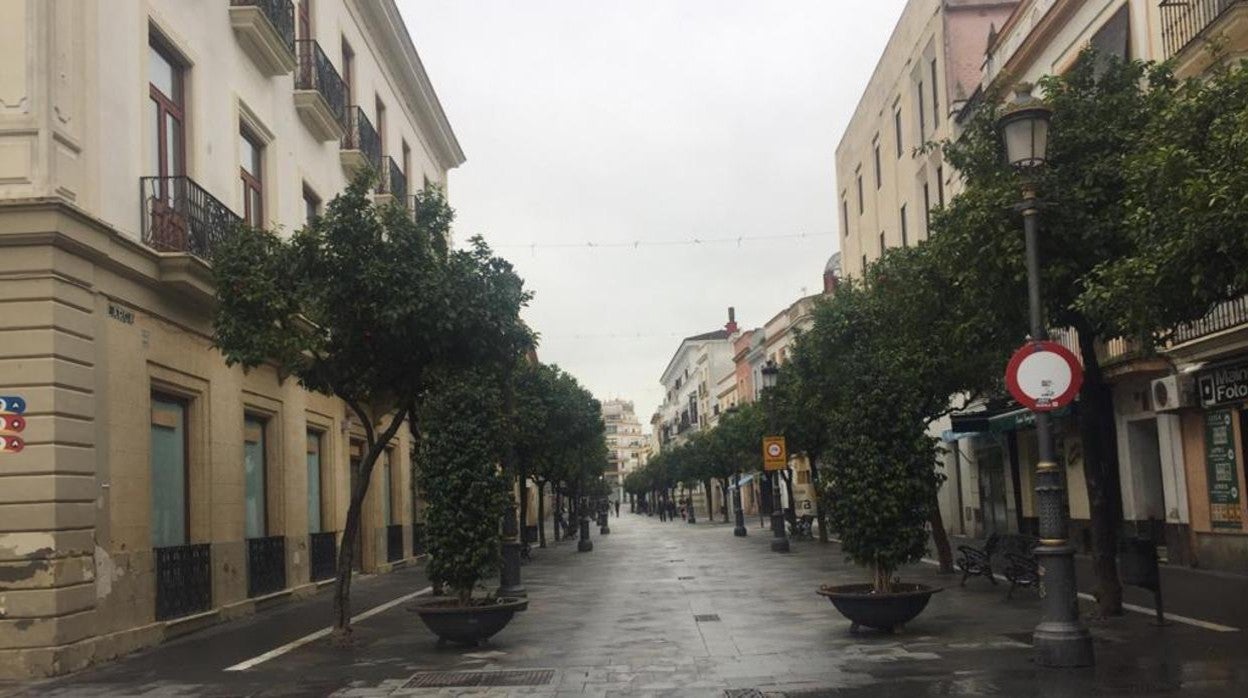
x,y
770,372
1024,127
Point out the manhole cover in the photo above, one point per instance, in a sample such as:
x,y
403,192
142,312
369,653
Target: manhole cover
x,y
684,579
455,679
707,618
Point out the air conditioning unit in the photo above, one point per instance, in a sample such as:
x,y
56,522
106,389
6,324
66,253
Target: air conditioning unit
x,y
1173,393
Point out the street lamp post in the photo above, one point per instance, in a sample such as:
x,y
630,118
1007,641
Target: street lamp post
x,y
1060,639
779,541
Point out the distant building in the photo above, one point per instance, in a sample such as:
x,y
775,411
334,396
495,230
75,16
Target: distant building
x,y
689,383
626,444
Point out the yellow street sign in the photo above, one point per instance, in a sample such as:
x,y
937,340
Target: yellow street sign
x,y
775,454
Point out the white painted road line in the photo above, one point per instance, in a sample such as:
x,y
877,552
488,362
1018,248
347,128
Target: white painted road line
x,y
323,632
1195,622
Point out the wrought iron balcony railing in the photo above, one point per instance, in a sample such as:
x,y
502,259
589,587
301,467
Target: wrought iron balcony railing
x,y
179,216
394,542
266,565
183,580
1224,316
1182,21
280,13
393,181
316,72
362,136
323,554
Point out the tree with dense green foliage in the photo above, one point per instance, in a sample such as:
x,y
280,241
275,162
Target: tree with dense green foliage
x,y
463,425
1116,149
366,303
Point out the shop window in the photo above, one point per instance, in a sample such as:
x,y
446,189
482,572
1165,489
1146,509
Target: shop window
x,y
168,472
255,482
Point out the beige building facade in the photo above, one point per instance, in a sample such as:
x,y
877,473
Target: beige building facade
x,y
886,180
626,444
159,490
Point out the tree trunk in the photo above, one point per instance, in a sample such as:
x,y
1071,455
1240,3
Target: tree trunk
x,y
940,537
724,487
558,512
1100,471
359,488
541,514
710,501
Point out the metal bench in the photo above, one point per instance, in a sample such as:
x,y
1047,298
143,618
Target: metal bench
x,y
1013,553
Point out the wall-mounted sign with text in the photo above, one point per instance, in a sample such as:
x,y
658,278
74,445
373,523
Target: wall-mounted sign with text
x,y
1223,385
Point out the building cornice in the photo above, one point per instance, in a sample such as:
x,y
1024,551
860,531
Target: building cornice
x,y
396,50
1037,39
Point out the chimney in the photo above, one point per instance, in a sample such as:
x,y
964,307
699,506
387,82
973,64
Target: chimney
x,y
732,321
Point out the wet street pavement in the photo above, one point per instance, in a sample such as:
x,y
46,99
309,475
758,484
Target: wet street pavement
x,y
683,610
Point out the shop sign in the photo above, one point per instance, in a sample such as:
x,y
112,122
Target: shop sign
x,y
1223,473
1223,385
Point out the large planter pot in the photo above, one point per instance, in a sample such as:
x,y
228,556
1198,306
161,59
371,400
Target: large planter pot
x,y
467,625
863,607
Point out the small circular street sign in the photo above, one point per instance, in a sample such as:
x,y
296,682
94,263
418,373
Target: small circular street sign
x,y
774,450
1044,376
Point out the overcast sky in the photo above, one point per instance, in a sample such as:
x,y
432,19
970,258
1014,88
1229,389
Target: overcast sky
x,y
649,121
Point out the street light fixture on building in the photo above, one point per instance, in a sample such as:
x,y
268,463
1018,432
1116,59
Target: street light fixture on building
x,y
1060,639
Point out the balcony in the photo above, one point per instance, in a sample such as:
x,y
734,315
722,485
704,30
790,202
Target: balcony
x,y
1186,25
266,30
183,580
179,216
361,145
1224,316
392,185
320,94
266,565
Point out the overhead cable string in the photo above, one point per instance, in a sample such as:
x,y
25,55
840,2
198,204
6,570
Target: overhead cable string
x,y
635,244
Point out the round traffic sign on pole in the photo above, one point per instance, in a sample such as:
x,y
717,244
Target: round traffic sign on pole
x,y
1044,376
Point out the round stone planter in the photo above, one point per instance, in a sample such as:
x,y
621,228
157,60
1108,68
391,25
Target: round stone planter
x,y
863,607
467,625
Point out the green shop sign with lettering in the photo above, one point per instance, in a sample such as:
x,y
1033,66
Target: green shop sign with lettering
x,y
1223,472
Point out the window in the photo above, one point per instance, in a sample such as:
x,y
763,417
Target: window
x,y
879,176
940,186
381,122
165,115
387,491
254,478
844,215
348,71
927,208
922,115
304,20
311,204
935,97
861,205
897,127
407,164
1113,39
168,472
905,241
249,152
881,243
864,264
315,522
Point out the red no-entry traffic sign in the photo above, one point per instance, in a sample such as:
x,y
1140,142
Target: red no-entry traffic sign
x,y
1044,376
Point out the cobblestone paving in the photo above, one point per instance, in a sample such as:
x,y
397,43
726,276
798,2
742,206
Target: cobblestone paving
x,y
620,621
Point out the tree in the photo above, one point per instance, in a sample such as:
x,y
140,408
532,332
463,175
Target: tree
x,y
1103,108
1186,197
464,428
366,303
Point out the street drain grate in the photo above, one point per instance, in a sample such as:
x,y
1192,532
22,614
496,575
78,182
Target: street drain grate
x,y
680,560
707,618
457,679
684,579
742,693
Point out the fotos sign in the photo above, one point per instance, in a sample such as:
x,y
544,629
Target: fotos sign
x,y
1223,385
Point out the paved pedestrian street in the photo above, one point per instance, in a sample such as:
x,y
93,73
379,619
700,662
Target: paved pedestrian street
x,y
682,610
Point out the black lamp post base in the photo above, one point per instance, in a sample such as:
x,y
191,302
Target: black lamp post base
x,y
739,531
1063,645
779,545
584,546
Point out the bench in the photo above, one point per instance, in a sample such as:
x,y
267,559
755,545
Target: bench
x,y
1012,553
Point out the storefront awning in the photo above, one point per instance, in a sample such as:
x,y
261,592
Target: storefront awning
x,y
744,479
